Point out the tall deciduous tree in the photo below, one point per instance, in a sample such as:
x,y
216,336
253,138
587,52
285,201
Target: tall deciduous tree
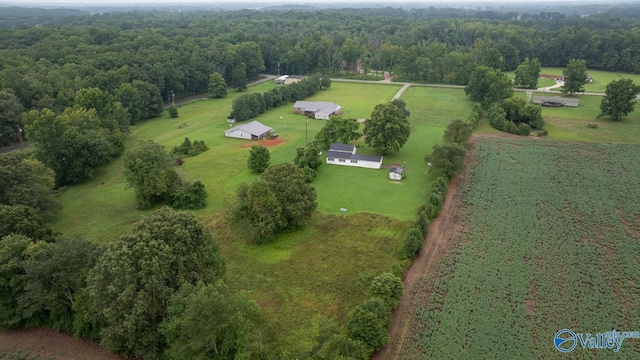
x,y
73,143
527,73
388,128
620,99
297,198
338,129
10,116
55,281
12,248
281,199
150,99
488,85
259,158
210,321
458,132
239,76
369,323
26,181
447,159
130,287
575,76
147,169
217,86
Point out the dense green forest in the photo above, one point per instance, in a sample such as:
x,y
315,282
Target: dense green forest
x,y
45,65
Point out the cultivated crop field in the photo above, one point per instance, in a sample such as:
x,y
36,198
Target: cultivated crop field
x,y
551,241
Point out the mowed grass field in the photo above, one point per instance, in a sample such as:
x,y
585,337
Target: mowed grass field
x,y
551,241
322,270
600,78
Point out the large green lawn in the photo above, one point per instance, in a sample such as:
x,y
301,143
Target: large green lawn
x,y
600,78
571,123
321,270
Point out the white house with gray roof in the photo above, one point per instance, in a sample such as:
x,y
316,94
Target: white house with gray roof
x,y
250,131
343,154
319,109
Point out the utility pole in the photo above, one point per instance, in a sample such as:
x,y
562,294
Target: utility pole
x,y
278,69
19,134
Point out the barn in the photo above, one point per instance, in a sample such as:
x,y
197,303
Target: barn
x,y
343,154
555,101
250,131
319,109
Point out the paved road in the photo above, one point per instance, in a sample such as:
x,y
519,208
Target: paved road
x,y
407,84
188,99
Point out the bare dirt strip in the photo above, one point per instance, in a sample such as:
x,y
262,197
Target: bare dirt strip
x,y
49,344
420,277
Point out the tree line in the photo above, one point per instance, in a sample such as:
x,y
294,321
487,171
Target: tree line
x,y
164,53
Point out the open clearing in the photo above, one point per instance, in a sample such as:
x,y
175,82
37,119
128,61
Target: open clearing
x,y
325,269
551,240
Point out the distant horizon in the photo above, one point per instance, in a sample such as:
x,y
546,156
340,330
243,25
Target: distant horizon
x,y
88,3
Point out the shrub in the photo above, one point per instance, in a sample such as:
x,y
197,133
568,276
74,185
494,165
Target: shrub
x,y
524,129
422,224
191,197
369,322
259,158
387,287
412,244
173,111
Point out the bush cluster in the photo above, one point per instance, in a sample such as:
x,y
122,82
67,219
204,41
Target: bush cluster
x,y
187,148
515,116
369,322
251,105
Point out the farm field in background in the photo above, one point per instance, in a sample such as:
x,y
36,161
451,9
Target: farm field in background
x,y
600,78
551,241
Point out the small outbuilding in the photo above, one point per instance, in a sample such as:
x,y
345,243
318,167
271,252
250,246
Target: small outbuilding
x,y
396,173
250,131
280,79
343,154
292,79
555,101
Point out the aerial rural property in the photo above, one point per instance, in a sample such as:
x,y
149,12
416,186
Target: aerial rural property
x,y
324,181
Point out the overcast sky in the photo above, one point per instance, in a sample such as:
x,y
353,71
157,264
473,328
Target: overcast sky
x,y
390,3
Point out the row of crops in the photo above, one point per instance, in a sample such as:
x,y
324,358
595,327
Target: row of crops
x,y
552,242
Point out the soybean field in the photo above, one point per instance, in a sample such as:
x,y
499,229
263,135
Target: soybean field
x,y
550,240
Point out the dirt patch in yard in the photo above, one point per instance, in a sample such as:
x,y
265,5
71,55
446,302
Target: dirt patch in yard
x,y
265,143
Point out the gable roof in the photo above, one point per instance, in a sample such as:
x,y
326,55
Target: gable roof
x,y
340,147
556,99
327,107
254,128
397,170
350,156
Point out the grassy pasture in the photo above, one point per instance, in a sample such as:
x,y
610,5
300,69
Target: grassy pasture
x,y
321,270
600,78
552,242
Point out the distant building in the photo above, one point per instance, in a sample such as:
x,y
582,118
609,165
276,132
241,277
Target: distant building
x,y
293,79
343,154
280,79
319,109
555,101
250,131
